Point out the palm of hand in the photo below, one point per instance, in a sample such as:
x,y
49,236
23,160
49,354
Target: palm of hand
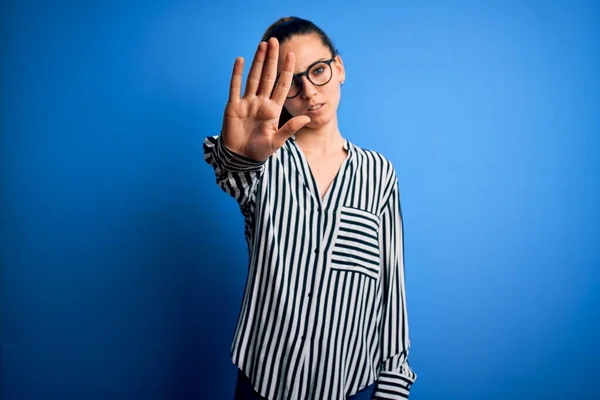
x,y
253,125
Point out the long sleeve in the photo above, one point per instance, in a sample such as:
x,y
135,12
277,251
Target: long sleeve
x,y
395,376
235,174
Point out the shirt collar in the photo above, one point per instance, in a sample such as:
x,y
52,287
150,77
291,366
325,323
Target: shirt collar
x,y
347,145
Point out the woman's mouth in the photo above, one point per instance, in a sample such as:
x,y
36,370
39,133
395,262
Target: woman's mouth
x,y
316,107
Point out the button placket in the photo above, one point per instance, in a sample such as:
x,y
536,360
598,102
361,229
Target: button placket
x,y
312,305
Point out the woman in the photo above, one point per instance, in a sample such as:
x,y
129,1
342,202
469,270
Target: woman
x,y
323,314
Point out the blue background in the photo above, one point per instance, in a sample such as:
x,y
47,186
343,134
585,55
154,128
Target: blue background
x,y
123,264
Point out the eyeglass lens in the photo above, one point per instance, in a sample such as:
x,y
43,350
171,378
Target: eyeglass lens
x,y
319,74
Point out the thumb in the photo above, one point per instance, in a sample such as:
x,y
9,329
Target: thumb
x,y
291,127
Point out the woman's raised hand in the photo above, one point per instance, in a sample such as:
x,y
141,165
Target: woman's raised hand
x,y
250,124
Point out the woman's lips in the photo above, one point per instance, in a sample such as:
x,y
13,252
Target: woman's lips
x,y
316,107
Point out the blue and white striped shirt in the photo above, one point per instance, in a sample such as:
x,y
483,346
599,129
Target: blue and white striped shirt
x,y
324,309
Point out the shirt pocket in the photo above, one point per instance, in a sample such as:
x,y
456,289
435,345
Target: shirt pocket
x,y
356,245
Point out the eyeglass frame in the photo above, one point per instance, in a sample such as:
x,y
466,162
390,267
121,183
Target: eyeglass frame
x,y
305,73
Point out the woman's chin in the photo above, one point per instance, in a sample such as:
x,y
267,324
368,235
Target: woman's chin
x,y
318,122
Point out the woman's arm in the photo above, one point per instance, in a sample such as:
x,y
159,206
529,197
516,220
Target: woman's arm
x,y
250,133
236,175
395,376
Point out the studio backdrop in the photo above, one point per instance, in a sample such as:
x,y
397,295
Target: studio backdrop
x,y
123,264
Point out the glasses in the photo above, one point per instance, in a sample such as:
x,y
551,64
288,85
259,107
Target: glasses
x,y
318,73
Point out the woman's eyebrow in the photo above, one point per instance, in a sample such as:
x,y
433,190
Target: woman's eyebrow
x,y
309,65
295,73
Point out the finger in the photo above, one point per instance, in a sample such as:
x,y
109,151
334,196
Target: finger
x,y
256,70
235,86
290,127
269,72
282,88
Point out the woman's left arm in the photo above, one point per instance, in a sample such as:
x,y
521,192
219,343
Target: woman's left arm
x,y
395,376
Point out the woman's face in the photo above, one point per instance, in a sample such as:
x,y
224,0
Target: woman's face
x,y
320,103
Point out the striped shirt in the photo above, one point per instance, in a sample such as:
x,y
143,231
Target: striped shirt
x,y
324,311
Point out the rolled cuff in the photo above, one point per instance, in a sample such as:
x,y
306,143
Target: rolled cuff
x,y
392,385
233,162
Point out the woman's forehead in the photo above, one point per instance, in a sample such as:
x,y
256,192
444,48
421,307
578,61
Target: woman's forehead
x,y
307,49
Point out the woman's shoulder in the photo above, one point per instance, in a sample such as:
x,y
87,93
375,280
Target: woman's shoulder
x,y
374,159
